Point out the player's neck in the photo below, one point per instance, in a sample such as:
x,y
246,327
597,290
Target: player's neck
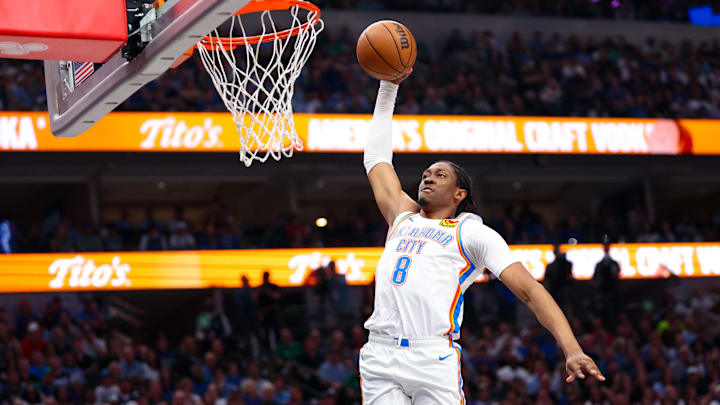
x,y
442,213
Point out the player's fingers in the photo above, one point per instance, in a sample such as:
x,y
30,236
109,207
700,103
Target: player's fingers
x,y
577,370
572,369
594,371
402,76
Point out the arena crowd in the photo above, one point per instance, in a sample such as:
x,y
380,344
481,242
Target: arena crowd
x,y
247,351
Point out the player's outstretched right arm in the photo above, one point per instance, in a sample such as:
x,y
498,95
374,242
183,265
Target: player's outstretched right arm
x,y
390,197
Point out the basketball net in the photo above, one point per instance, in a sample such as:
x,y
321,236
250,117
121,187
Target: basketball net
x,y
257,87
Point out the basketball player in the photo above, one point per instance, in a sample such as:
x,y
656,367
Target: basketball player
x,y
436,247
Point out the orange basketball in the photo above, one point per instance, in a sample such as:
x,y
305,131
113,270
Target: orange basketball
x,y
385,48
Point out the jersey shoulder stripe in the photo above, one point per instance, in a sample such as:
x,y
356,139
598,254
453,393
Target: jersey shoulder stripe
x,y
457,303
469,267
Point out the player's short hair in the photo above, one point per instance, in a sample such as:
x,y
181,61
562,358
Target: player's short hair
x,y
464,181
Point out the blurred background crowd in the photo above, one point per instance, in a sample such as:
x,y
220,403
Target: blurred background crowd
x,y
657,340
472,73
653,10
218,228
265,345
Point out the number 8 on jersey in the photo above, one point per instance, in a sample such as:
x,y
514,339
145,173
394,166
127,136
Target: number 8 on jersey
x,y
401,269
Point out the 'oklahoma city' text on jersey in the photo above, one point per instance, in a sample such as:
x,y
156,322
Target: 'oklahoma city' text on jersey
x,y
426,267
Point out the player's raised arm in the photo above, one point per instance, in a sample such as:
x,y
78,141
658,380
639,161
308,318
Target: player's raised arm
x,y
389,195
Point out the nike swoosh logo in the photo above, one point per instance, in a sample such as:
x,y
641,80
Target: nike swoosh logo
x,y
441,358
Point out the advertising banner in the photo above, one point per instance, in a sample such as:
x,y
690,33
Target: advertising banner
x,y
339,133
294,267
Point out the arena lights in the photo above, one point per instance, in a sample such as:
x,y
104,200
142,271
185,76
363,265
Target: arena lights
x,y
613,3
703,15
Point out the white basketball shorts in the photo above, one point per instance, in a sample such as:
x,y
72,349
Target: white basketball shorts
x,y
421,371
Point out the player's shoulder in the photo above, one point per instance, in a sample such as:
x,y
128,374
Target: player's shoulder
x,y
470,218
471,225
402,216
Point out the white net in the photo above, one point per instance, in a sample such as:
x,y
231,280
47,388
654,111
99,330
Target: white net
x,y
256,81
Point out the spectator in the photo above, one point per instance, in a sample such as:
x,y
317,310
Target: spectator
x,y
123,226
89,240
268,300
112,240
181,238
184,394
9,347
247,304
8,242
131,367
250,393
210,239
178,221
606,279
24,317
209,367
38,366
93,346
71,369
649,234
89,313
155,392
254,374
559,280
666,233
268,395
33,341
332,370
321,287
433,103
61,241
282,394
153,240
108,391
150,221
310,358
200,385
287,348
206,321
233,378
339,290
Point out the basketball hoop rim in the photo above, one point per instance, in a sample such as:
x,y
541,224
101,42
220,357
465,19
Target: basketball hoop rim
x,y
216,43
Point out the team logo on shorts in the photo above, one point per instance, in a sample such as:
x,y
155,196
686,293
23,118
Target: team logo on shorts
x,y
448,223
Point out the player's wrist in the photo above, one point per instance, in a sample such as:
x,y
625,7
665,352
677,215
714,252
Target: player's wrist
x,y
388,86
572,349
385,102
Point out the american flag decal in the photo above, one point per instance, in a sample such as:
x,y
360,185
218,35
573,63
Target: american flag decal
x,y
81,71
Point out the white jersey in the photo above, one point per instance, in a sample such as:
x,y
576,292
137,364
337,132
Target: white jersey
x,y
426,267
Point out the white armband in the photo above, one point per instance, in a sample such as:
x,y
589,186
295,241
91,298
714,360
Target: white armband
x,y
378,145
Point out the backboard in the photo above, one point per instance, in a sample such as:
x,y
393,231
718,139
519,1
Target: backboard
x,y
165,34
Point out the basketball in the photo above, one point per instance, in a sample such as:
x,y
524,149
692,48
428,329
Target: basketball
x,y
385,49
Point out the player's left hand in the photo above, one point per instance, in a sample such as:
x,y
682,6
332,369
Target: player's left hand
x,y
579,365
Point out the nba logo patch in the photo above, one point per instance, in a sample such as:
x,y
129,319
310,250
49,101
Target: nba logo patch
x,y
448,223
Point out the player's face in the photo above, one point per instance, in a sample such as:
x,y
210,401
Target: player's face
x,y
438,187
